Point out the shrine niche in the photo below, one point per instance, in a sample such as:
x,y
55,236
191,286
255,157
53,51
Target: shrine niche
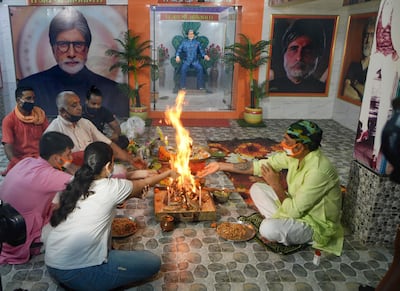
x,y
191,73
214,28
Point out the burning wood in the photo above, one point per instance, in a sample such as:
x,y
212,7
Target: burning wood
x,y
184,192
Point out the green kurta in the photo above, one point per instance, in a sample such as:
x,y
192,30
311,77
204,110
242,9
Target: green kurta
x,y
314,196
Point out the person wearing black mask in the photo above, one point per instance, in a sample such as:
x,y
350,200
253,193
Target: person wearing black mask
x,y
82,131
100,116
22,128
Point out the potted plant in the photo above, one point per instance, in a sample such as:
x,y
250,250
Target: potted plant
x,y
132,58
250,56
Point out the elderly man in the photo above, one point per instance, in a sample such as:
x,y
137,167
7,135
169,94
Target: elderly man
x,y
309,211
70,39
30,188
303,43
82,131
23,128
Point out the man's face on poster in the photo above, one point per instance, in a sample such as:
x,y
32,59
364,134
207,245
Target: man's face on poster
x,y
300,59
368,37
70,51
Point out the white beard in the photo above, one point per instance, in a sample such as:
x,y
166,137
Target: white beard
x,y
71,69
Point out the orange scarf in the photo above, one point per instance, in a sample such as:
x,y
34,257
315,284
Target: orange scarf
x,y
37,116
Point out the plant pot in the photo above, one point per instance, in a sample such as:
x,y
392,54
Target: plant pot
x,y
253,115
139,112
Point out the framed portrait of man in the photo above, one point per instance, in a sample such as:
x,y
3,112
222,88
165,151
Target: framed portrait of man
x,y
356,55
301,54
60,48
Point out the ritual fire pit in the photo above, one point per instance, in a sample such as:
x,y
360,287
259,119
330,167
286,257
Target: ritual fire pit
x,y
183,198
184,204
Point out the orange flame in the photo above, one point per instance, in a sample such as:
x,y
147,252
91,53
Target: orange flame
x,y
180,162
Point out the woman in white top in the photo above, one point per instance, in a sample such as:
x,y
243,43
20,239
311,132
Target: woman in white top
x,y
77,253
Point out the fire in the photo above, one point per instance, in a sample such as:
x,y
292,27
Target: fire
x,y
184,142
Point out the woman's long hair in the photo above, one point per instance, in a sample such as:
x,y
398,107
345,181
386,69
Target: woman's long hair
x,y
96,156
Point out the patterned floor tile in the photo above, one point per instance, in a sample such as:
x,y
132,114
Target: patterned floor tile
x,y
195,258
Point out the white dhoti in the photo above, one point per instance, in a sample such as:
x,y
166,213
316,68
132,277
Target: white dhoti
x,y
287,231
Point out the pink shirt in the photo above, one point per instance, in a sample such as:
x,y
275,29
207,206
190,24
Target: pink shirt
x,y
30,187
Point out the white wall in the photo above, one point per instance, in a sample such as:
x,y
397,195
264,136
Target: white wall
x,y
6,61
317,107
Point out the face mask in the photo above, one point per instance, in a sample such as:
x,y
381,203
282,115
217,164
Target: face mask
x,y
92,110
28,106
73,118
289,149
65,163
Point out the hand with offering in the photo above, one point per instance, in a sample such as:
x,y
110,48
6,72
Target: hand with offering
x,y
209,169
140,174
138,163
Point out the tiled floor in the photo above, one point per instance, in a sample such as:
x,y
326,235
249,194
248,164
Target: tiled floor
x,y
195,258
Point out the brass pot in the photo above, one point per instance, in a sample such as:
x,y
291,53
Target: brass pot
x,y
167,223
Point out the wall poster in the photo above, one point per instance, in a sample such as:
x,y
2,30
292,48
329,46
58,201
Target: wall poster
x,y
357,51
60,48
381,87
301,54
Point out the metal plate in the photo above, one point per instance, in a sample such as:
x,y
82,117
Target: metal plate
x,y
125,220
236,231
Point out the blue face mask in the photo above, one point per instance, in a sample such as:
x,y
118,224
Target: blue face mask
x,y
28,106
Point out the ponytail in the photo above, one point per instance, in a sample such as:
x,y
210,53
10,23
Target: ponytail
x,y
77,188
96,156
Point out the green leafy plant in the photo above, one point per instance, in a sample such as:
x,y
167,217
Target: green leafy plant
x,y
132,58
250,56
260,91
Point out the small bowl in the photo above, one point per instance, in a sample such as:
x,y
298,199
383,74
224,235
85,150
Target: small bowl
x,y
222,195
167,223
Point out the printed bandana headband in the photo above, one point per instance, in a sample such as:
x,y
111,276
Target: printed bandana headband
x,y
305,131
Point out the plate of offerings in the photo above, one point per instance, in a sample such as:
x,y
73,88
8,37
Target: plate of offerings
x,y
236,231
123,226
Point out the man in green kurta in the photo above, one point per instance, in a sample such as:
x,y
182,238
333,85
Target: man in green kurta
x,y
308,210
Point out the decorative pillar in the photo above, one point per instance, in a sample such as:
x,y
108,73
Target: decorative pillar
x,y
371,206
372,202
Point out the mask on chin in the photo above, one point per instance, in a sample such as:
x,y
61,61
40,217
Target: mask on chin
x,y
73,118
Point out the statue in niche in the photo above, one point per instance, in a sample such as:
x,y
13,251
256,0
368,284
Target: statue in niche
x,y
190,58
